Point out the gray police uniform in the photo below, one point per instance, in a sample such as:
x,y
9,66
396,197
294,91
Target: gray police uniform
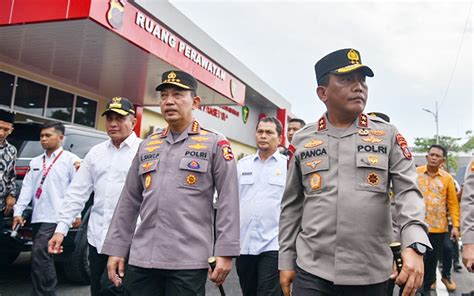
x,y
335,219
171,183
467,206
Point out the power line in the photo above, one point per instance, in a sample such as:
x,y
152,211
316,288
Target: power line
x,y
457,55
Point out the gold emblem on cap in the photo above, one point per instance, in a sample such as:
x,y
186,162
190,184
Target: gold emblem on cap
x,y
373,159
116,103
171,75
353,56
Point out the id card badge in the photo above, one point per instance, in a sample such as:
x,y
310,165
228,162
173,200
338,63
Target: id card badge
x,y
38,192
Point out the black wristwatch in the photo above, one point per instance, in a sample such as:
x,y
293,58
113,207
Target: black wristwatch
x,y
419,248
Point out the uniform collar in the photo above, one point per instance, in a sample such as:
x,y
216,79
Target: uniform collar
x,y
424,170
55,153
360,123
193,129
129,141
273,156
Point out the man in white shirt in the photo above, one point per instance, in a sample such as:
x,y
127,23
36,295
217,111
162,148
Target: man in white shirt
x,y
103,171
48,177
262,178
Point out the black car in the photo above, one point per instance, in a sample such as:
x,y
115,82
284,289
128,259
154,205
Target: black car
x,y
74,259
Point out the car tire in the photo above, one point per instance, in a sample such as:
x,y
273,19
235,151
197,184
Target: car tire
x,y
77,269
7,258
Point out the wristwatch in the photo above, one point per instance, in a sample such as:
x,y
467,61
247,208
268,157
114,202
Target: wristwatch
x,y
419,248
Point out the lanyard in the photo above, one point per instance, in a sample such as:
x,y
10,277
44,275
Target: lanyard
x,y
45,173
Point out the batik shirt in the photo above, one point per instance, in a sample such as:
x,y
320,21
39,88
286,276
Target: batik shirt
x,y
7,170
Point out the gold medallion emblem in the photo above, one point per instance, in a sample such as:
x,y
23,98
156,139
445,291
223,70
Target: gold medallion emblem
x,y
363,132
171,75
151,149
372,139
313,143
373,159
353,56
315,181
191,179
147,181
373,179
313,164
198,146
377,132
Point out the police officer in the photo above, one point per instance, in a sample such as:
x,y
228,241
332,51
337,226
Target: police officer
x,y
335,223
170,184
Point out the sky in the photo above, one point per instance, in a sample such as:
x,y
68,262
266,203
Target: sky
x,y
421,53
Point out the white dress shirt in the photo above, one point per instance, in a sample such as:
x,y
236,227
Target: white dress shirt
x,y
47,206
261,186
103,171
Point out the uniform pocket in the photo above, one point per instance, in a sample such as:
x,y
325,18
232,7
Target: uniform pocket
x,y
372,172
191,172
315,174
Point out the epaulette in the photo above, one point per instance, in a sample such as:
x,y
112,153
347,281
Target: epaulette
x,y
210,130
156,133
378,119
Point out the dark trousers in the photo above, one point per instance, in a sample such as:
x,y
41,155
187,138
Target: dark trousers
x,y
431,258
164,282
258,274
100,284
43,272
306,284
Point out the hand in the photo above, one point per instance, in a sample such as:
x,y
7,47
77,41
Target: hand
x,y
394,274
455,234
286,278
76,223
223,267
412,272
116,270
54,244
18,220
77,164
9,203
468,256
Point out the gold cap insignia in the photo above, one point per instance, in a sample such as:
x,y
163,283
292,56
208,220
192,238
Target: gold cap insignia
x,y
171,75
353,56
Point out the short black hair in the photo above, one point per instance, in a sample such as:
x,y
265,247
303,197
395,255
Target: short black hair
x,y
442,148
58,126
324,81
274,120
300,121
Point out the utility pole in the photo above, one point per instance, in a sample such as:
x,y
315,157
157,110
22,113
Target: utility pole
x,y
435,114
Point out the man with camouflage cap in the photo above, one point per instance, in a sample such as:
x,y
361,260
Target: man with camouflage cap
x,y
171,184
335,223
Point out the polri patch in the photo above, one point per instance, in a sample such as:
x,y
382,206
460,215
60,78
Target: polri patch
x,y
226,150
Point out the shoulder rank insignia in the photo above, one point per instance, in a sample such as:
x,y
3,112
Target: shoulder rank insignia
x,y
164,133
198,146
322,125
377,132
226,150
313,143
404,146
315,181
372,139
147,181
313,164
154,137
363,120
203,132
195,127
373,179
200,139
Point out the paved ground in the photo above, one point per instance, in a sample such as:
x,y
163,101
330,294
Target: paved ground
x,y
15,282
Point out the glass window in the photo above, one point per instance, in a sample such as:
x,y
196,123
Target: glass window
x,y
60,105
81,144
85,111
30,97
6,89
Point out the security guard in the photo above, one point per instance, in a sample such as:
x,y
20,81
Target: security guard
x,y
170,184
335,223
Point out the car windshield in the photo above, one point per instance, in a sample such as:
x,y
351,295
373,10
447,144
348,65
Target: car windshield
x,y
27,149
